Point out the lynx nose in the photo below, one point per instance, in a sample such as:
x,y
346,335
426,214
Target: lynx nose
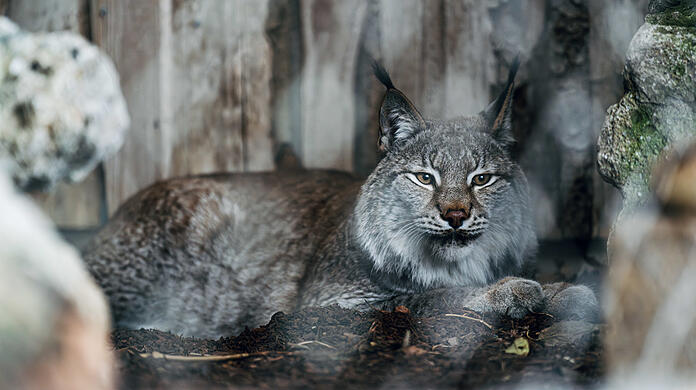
x,y
455,218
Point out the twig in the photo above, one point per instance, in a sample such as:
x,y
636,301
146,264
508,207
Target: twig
x,y
211,358
303,343
530,337
471,318
407,339
543,313
371,306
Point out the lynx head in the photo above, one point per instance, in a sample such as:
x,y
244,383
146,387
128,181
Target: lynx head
x,y
446,205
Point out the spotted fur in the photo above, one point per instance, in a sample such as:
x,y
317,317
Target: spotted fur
x,y
209,255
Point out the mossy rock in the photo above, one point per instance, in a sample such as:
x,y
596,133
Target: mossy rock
x,y
659,110
672,13
628,147
661,64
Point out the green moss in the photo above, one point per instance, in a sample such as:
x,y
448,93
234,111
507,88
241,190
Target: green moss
x,y
679,70
647,143
686,43
643,144
684,16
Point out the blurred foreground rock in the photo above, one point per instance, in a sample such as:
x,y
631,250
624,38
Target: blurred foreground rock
x,y
61,113
61,107
651,291
644,150
53,319
659,109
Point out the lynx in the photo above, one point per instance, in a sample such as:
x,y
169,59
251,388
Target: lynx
x,y
443,221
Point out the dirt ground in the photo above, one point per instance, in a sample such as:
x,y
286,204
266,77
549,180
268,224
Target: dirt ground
x,y
337,348
334,348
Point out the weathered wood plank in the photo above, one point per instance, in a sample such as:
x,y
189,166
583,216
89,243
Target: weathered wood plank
x,y
433,57
255,54
196,75
283,29
401,33
470,68
331,31
206,93
222,99
75,205
130,32
49,15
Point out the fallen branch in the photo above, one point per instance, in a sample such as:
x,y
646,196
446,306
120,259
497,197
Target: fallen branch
x,y
542,313
303,343
471,318
210,358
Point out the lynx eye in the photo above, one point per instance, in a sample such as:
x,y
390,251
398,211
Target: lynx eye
x,y
425,178
481,179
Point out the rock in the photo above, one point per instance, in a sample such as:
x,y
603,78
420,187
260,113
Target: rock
x,y
628,147
54,322
671,12
568,333
61,107
659,109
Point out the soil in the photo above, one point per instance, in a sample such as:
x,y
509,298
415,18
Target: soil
x,y
332,347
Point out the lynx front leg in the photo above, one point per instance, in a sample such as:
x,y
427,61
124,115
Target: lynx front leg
x,y
511,296
516,297
571,301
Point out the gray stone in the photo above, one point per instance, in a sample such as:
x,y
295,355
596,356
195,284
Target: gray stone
x,y
672,12
659,109
61,107
569,333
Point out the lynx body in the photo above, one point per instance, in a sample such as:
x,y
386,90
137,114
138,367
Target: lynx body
x,y
444,214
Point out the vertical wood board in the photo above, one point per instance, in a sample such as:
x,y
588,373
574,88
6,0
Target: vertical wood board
x,y
49,15
129,31
331,32
470,62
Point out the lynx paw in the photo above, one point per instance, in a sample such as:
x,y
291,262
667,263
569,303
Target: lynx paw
x,y
571,302
515,297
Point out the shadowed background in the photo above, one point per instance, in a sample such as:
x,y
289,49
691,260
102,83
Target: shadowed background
x,y
216,85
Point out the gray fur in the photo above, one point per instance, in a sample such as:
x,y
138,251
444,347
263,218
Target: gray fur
x,y
209,255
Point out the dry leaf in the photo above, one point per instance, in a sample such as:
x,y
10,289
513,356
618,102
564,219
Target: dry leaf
x,y
401,309
414,351
519,347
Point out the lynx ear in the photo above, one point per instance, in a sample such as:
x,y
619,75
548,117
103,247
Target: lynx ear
x,y
498,114
398,117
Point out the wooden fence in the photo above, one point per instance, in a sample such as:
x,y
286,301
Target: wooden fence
x,y
216,85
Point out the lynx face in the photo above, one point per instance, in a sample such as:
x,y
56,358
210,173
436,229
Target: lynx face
x,y
447,205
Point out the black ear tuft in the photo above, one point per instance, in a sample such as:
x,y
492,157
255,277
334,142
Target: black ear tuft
x,y
382,74
498,114
398,117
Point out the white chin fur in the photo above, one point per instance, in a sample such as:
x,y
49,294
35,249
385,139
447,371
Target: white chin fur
x,y
447,266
